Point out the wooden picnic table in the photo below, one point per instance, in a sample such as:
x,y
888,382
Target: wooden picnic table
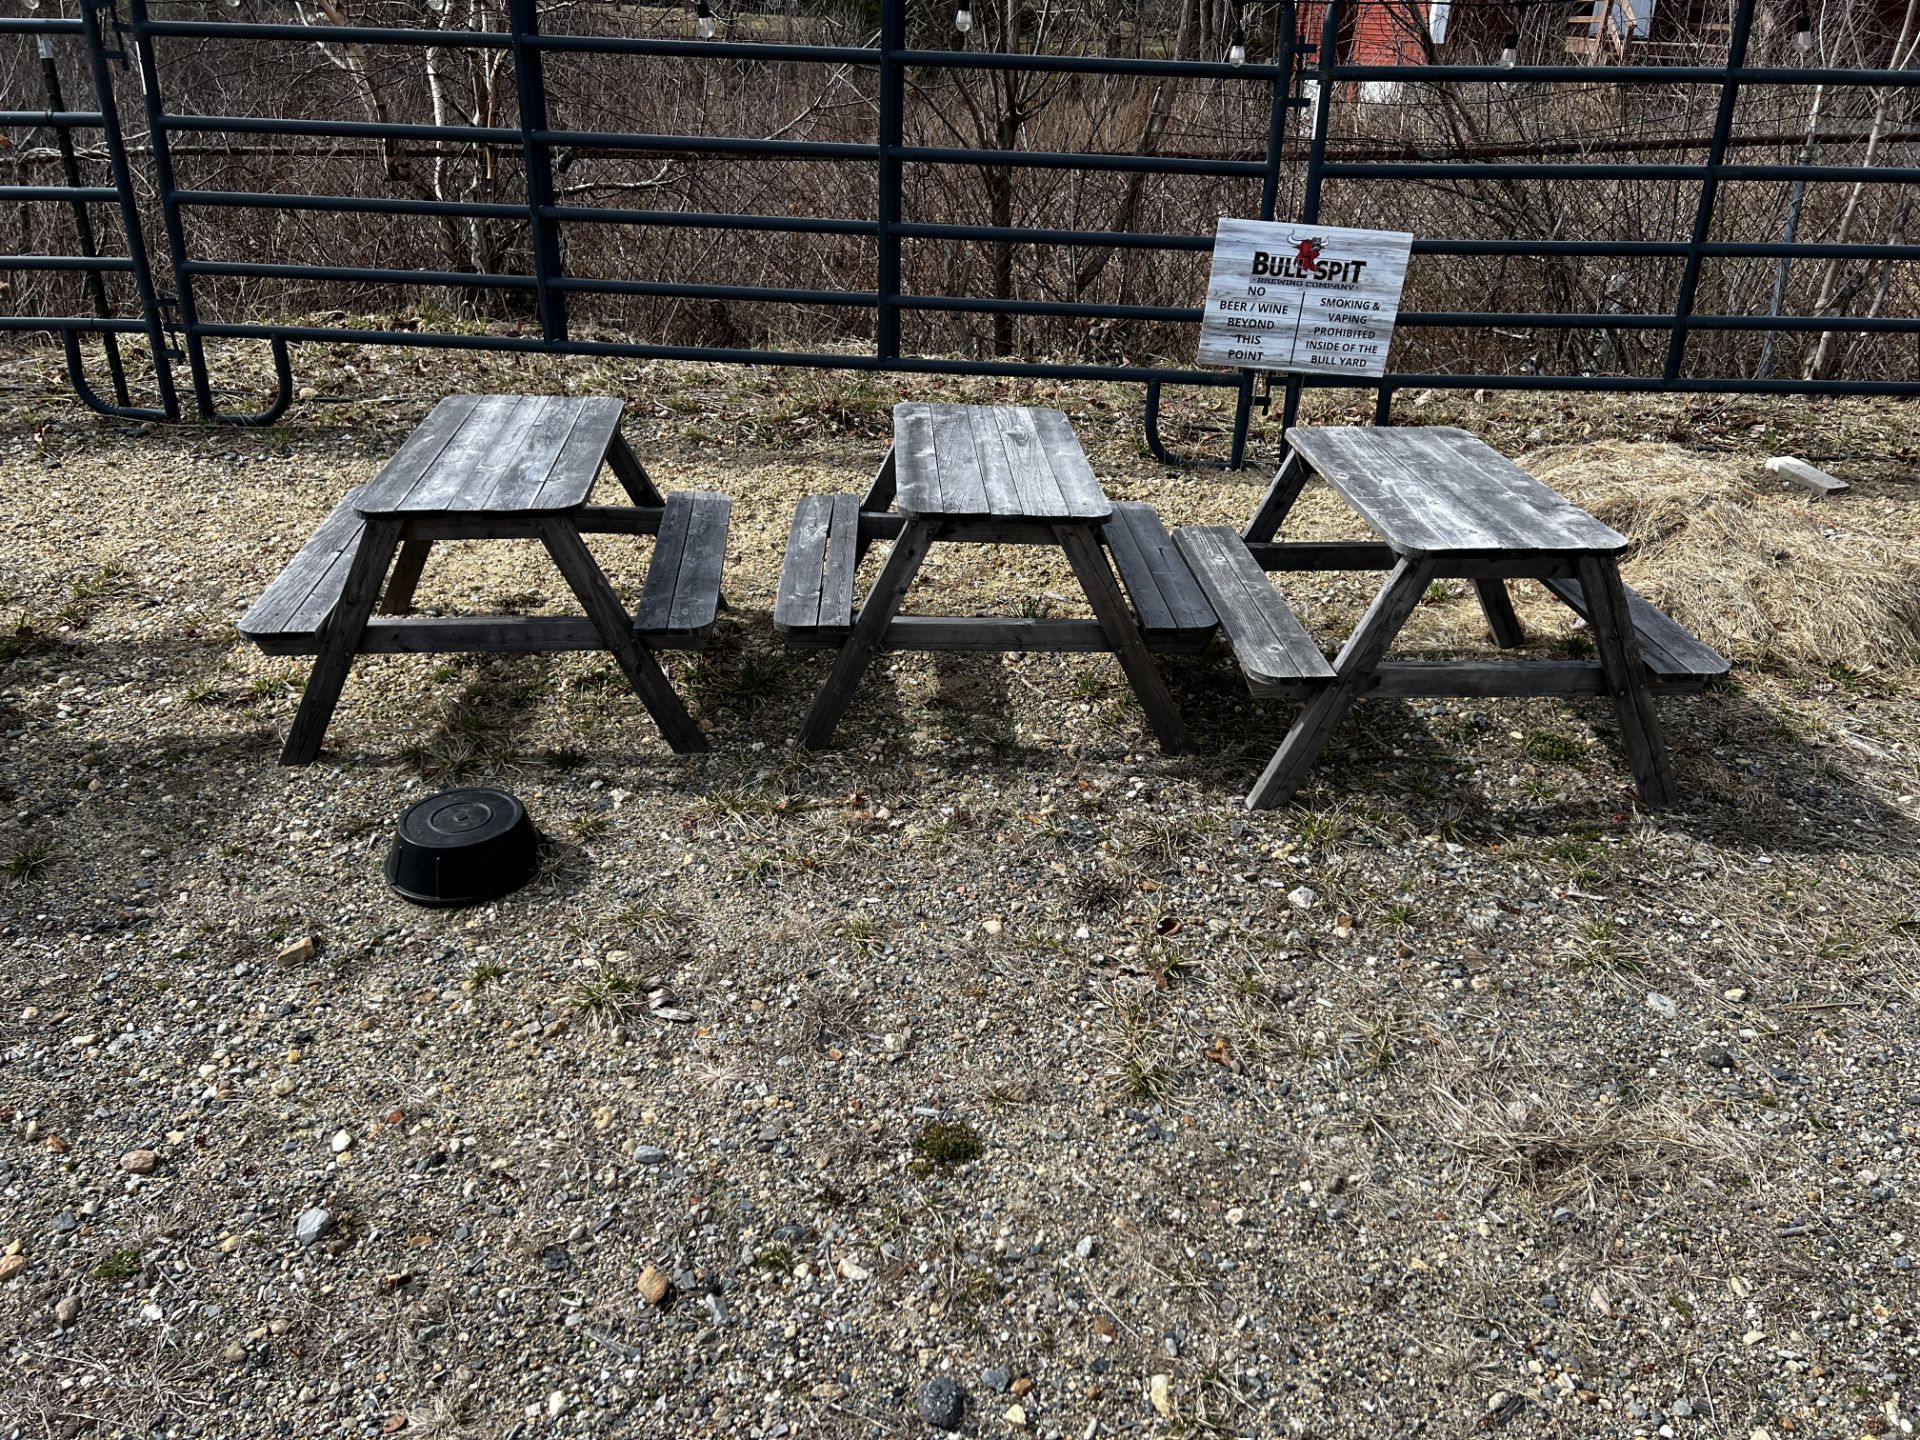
x,y
498,467
1444,506
987,474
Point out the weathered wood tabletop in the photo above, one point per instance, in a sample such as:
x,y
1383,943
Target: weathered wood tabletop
x,y
989,474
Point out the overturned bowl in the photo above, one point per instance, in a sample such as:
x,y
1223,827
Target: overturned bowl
x,y
463,847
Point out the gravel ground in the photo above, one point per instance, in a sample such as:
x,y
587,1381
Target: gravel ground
x,y
989,1048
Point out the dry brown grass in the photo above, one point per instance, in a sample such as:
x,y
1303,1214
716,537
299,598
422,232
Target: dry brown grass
x,y
1766,577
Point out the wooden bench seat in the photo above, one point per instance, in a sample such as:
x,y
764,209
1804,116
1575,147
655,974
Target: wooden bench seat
x,y
678,604
681,597
815,599
1170,603
1274,649
286,619
1675,658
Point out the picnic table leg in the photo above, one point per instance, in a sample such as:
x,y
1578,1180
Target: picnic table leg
x,y
340,641
405,578
1351,668
1288,481
879,496
589,584
631,474
869,629
1619,646
1090,565
1497,606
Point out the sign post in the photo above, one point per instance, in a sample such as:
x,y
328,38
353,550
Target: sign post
x,y
1311,299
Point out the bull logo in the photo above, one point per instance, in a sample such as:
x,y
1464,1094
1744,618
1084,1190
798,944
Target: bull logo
x,y
1309,252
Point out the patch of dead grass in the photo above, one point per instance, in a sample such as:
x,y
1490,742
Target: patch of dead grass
x,y
1765,578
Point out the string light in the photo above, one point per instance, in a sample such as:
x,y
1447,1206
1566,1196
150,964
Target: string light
x,y
1510,49
703,20
963,17
1802,33
1237,51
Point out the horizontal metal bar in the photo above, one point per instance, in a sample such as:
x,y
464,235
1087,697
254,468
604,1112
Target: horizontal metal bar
x,y
460,279
82,324
50,119
710,220
1531,320
40,27
989,305
910,364
709,144
368,204
498,40
1081,64
334,129
1029,235
770,51
59,192
1506,170
65,262
1065,160
1621,384
1666,249
1597,75
865,299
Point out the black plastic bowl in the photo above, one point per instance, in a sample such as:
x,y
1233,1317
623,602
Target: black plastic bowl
x,y
463,847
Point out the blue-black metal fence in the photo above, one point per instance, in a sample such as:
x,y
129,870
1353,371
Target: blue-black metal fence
x,y
1305,76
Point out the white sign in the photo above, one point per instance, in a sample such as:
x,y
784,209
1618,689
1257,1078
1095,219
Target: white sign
x,y
1313,298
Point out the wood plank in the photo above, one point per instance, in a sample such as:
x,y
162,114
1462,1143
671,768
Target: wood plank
x,y
1144,555
963,489
1039,493
1511,678
577,466
301,596
441,479
996,471
1321,554
1438,491
796,604
1807,477
988,633
696,593
842,560
1271,645
663,569
1673,654
511,480
916,468
1072,472
881,492
422,447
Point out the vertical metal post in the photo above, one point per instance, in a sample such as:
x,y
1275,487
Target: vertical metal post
x,y
1269,200
169,206
893,102
129,207
1709,189
1323,62
530,84
82,221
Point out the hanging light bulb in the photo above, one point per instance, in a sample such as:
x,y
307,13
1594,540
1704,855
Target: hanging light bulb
x,y
1510,50
439,7
31,4
1802,33
703,20
1237,51
963,17
231,4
